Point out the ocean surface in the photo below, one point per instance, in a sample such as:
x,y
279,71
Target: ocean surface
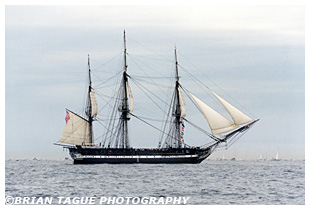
x,y
209,183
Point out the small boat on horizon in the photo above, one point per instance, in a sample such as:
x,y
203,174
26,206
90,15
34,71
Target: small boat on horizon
x,y
276,158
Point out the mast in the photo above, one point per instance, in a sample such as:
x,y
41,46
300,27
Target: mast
x,y
177,108
125,110
89,108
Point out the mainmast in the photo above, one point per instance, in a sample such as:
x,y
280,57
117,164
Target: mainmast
x,y
178,107
89,108
125,110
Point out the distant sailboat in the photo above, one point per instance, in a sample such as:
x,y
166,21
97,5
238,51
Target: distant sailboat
x,y
276,156
260,158
234,158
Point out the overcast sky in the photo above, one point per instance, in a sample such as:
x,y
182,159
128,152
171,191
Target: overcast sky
x,y
253,54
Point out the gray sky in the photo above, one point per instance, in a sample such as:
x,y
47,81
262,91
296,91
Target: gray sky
x,y
252,54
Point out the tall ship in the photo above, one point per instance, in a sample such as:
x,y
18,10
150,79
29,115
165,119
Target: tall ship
x,y
115,144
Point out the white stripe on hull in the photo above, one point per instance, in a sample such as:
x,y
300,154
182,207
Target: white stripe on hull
x,y
81,157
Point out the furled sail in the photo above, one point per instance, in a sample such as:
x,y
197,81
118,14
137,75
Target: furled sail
x,y
76,131
94,104
218,123
238,117
182,103
130,98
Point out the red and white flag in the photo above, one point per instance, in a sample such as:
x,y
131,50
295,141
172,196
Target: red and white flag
x,y
67,117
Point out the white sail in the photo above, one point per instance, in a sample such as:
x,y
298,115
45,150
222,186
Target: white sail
x,y
76,131
277,154
182,103
94,104
238,117
218,123
130,98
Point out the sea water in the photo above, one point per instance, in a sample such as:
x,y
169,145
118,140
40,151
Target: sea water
x,y
209,183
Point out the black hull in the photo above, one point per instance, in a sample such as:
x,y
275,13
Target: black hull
x,y
93,155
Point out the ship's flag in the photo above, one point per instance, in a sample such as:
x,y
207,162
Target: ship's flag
x,y
182,131
67,117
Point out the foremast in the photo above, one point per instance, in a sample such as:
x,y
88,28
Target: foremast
x,y
79,130
177,107
125,106
89,104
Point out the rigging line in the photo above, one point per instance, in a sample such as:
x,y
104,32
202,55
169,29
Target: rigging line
x,y
104,86
110,98
216,85
139,86
112,123
202,130
150,124
168,114
148,57
107,70
200,72
158,85
96,76
138,63
103,90
107,80
113,116
155,84
199,83
107,96
187,93
169,139
144,110
114,57
107,129
109,83
137,83
210,144
234,139
102,119
137,76
193,75
144,72
114,132
147,118
108,103
231,142
165,58
116,90
97,138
